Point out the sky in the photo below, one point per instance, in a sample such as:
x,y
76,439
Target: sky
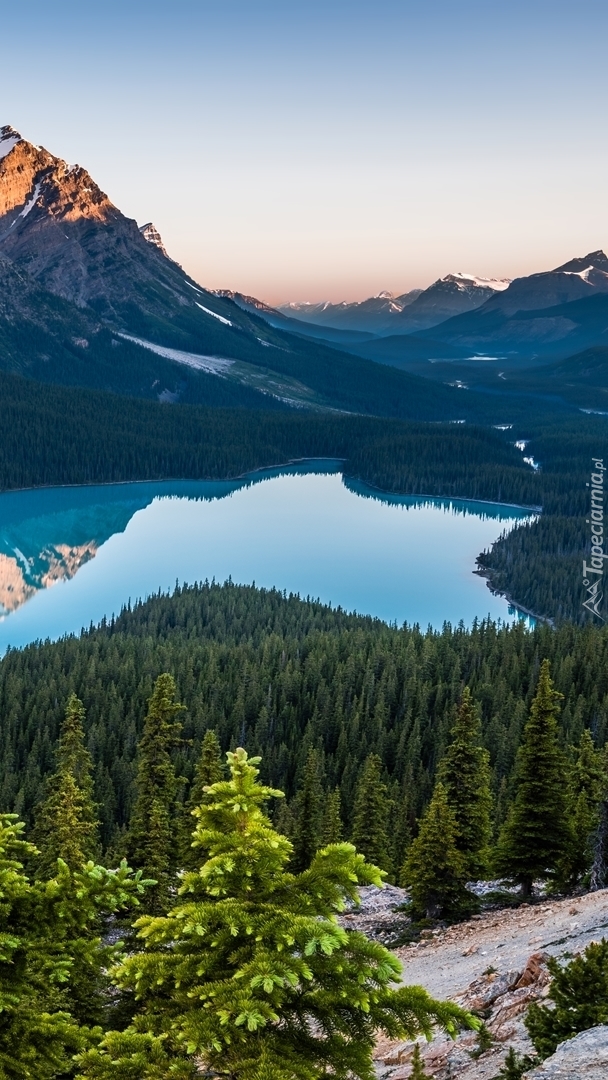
x,y
328,150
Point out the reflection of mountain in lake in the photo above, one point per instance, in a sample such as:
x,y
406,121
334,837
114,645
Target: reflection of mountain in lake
x,y
20,577
48,534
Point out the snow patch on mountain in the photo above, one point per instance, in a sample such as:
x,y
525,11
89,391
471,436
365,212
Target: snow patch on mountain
x,y
152,235
583,274
496,284
214,365
208,311
30,204
8,140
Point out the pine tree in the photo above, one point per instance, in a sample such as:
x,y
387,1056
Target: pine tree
x,y
209,770
46,929
333,829
152,843
418,1071
370,815
585,789
579,992
536,834
66,820
250,974
308,814
434,870
515,1066
465,774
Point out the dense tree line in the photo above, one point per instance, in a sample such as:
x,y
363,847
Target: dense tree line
x,y
238,964
285,677
539,564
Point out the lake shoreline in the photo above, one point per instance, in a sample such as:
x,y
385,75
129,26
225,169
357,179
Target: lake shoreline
x,y
265,468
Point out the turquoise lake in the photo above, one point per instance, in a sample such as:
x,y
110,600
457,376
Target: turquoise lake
x,y
69,556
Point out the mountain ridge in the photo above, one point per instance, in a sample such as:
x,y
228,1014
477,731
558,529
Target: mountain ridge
x,y
103,305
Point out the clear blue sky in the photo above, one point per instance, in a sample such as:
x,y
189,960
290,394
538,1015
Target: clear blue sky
x,y
328,149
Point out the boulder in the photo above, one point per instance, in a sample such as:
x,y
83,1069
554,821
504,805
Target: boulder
x,y
583,1058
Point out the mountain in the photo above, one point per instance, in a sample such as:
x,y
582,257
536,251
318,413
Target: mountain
x,y
416,310
574,280
280,321
376,315
451,295
91,299
554,313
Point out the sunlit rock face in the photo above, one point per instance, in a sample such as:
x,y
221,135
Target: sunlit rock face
x,y
21,577
47,536
14,590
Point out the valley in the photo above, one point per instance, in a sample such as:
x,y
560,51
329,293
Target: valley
x,y
340,543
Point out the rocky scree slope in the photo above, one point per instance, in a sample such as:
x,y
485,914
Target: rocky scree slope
x,y
494,965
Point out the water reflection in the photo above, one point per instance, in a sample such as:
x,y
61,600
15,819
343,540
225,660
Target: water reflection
x,y
48,534
69,556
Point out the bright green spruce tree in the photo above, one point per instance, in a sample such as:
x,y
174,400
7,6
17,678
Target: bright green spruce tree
x,y
46,927
308,808
537,835
371,814
66,820
418,1071
250,975
153,841
434,870
465,774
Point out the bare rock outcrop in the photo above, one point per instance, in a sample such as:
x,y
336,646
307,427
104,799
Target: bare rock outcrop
x,y
583,1058
502,1000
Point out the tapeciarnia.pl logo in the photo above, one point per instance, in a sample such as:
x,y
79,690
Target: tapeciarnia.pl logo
x,y
593,572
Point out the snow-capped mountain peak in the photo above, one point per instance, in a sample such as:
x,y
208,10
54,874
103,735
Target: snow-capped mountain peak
x,y
8,140
496,284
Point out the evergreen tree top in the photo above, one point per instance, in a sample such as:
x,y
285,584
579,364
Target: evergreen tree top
x,y
250,972
66,819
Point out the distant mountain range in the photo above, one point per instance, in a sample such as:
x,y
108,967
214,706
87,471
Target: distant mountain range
x,y
416,310
378,315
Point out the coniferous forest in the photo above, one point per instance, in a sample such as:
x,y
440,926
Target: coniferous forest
x,y
191,793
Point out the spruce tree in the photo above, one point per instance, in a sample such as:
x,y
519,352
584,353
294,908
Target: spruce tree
x,y
308,809
585,789
434,870
250,974
332,827
536,835
47,928
515,1066
66,820
370,815
465,774
579,993
209,770
152,843
418,1071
